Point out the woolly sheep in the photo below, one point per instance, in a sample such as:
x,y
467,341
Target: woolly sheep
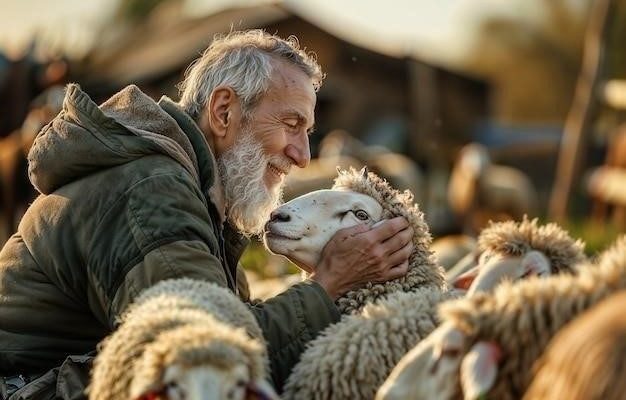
x,y
183,339
327,368
545,250
479,191
351,359
585,360
487,344
300,228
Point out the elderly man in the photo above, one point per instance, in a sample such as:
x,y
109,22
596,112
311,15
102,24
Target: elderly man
x,y
134,192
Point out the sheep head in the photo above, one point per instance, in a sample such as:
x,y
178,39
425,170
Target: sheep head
x,y
442,366
300,228
517,238
514,250
494,268
199,362
428,370
388,202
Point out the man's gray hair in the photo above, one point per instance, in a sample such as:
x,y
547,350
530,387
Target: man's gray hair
x,y
242,61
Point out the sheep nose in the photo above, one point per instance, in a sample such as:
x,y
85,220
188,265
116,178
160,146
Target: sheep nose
x,y
279,216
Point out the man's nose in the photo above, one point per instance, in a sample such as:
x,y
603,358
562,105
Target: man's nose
x,y
298,151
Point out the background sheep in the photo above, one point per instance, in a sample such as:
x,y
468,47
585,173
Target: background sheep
x,y
585,360
312,219
488,343
511,239
340,149
480,191
182,339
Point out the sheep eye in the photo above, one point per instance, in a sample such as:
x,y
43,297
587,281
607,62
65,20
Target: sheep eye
x,y
362,215
173,391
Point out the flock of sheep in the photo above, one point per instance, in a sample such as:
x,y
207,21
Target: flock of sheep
x,y
511,327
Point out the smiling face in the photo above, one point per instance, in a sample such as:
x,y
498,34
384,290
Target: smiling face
x,y
300,228
259,151
282,121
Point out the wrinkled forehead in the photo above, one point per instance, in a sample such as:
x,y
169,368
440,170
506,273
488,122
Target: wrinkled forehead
x,y
334,199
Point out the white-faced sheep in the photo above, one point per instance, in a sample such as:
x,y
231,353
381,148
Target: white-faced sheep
x,y
585,360
543,249
487,344
300,228
352,358
183,339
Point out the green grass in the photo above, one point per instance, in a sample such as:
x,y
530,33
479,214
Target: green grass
x,y
597,236
264,264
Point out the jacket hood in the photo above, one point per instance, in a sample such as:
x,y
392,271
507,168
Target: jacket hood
x,y
85,138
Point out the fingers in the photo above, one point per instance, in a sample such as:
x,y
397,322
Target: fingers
x,y
399,270
398,241
400,256
347,233
395,265
388,228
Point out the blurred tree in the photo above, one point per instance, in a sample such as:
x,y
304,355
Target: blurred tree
x,y
533,62
136,10
598,67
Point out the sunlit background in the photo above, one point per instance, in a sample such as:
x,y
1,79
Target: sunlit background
x,y
536,85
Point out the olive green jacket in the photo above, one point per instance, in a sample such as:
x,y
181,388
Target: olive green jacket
x,y
125,203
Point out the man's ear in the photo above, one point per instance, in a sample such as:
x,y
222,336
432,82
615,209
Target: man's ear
x,y
222,103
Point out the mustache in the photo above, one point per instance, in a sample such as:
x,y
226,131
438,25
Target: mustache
x,y
281,162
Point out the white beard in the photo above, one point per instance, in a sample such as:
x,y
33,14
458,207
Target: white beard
x,y
242,170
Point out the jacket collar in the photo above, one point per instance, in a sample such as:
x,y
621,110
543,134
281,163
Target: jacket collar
x,y
211,183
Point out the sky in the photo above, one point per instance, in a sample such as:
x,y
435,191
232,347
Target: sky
x,y
20,19
399,23
436,30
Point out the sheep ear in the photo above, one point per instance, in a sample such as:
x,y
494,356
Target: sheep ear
x,y
479,370
536,263
261,390
364,172
464,281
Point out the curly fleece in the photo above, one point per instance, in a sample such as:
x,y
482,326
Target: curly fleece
x,y
423,269
585,360
517,238
523,317
352,358
184,321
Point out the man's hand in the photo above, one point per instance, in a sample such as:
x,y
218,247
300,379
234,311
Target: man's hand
x,y
357,255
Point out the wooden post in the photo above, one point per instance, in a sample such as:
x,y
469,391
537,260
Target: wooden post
x,y
580,117
424,110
